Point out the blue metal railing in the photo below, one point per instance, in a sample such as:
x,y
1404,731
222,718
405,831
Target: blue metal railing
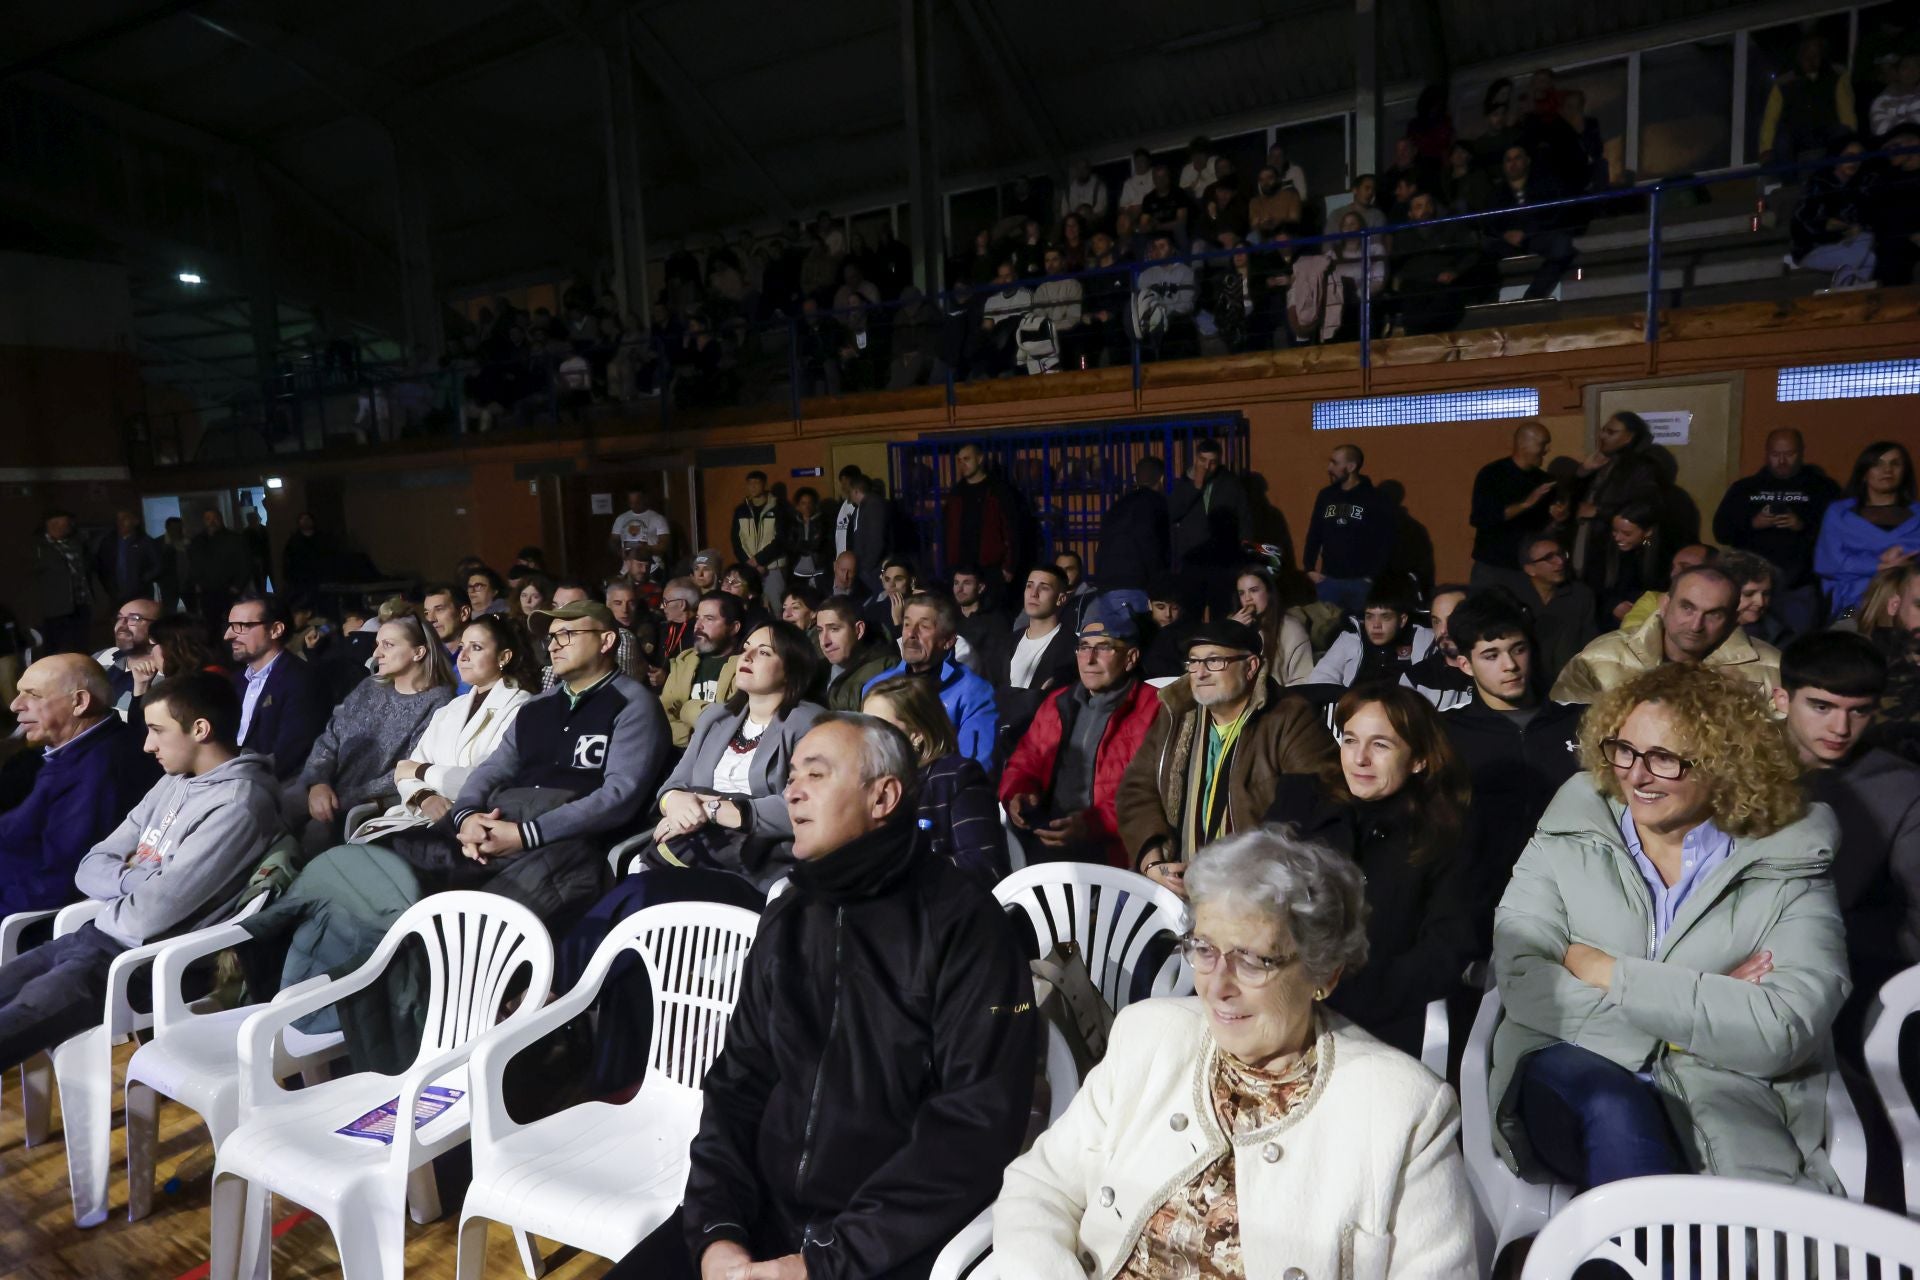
x,y
931,342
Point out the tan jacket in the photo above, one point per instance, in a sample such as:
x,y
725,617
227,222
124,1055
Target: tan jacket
x,y
1618,656
676,696
1284,735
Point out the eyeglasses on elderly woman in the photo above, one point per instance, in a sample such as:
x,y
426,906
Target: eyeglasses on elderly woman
x,y
1248,969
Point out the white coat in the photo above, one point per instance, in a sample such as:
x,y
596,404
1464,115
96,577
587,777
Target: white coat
x,y
1362,1181
453,744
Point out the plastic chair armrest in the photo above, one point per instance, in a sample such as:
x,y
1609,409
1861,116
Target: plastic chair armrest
x,y
969,1244
13,927
261,1029
493,1050
170,1005
72,916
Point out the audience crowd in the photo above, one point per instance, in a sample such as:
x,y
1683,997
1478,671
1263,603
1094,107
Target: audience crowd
x,y
1663,794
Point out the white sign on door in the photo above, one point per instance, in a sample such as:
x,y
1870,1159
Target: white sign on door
x,y
1671,426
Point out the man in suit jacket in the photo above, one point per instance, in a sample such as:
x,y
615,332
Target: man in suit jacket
x,y
282,708
1041,658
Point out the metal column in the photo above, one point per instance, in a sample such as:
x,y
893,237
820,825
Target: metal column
x,y
923,161
622,128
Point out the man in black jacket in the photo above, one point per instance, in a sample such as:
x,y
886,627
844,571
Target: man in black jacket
x,y
1136,534
869,536
1517,746
1208,508
1775,513
879,1065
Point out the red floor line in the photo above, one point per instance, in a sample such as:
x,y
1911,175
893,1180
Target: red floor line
x,y
280,1228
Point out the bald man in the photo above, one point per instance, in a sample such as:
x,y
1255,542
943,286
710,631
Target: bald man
x,y
1513,503
93,770
1775,513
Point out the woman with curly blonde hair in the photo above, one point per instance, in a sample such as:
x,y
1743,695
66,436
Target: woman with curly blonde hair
x,y
1669,951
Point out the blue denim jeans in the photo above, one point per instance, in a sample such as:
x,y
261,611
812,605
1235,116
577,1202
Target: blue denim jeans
x,y
1592,1122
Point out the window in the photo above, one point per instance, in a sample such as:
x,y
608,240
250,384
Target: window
x,y
1684,92
1319,147
1407,411
968,214
1847,381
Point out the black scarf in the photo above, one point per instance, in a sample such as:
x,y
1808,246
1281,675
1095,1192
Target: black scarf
x,y
865,867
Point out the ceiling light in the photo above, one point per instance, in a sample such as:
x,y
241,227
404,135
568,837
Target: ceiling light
x,y
188,277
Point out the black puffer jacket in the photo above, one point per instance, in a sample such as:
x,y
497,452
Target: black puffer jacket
x,y
878,1067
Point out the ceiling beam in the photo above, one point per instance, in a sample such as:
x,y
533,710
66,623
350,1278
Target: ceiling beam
x,y
1016,86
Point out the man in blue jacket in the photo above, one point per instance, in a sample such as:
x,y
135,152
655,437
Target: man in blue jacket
x,y
282,707
1351,533
928,626
93,773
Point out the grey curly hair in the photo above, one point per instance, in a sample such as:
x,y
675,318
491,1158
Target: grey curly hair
x,y
1319,893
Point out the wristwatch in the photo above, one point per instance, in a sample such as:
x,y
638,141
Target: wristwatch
x,y
713,809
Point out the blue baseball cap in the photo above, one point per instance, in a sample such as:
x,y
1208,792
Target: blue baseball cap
x,y
1109,618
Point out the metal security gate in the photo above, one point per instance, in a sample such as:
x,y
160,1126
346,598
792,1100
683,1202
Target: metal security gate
x,y
1069,475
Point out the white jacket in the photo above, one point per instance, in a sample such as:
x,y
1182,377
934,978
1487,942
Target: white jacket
x,y
1363,1181
1341,662
452,744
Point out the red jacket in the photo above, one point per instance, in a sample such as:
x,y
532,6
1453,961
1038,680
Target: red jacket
x,y
999,546
1030,771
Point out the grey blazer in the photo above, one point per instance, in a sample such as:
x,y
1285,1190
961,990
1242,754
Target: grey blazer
x,y
762,847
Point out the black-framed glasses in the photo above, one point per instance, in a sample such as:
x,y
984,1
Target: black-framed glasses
x,y
1660,762
1550,556
245,626
1251,970
565,638
131,618
1217,662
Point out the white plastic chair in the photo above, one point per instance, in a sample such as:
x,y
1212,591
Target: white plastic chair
x,y
1161,682
81,1067
476,944
1108,914
1721,1226
194,1059
599,1176
628,853
35,1111
1899,1000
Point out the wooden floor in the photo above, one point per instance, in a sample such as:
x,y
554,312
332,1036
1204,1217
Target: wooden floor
x,y
38,1240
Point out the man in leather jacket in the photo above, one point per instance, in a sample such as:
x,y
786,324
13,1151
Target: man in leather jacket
x,y
879,1065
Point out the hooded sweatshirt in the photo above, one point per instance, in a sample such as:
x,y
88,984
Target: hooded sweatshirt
x,y
186,848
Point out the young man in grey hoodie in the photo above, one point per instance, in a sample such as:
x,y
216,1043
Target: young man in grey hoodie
x,y
180,856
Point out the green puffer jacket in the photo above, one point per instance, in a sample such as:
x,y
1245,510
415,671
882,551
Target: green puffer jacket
x,y
1739,1064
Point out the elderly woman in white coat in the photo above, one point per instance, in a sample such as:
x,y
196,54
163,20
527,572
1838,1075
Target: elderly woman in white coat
x,y
1248,1131
496,659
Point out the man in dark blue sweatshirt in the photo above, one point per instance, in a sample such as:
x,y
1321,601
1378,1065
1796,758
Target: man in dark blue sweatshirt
x,y
1775,513
1351,533
93,773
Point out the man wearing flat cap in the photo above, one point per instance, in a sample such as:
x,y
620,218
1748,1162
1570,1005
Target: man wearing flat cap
x,y
1224,734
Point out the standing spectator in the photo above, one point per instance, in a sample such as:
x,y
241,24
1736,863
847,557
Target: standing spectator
x,y
1431,128
1776,513
1500,130
172,545
1598,172
1133,192
870,535
1351,533
1292,176
1686,857
1062,781
1433,269
132,643
1893,208
128,563
959,819
1083,189
1513,501
282,706
1831,226
93,771
219,566
1831,684
1208,508
1217,747
1543,234
854,658
1622,469
60,568
352,760
1551,140
1563,608
762,533
704,674
984,518
812,540
1396,801
1136,535
1899,102
1808,107
641,533
1041,658
259,549
1875,526
928,629
310,558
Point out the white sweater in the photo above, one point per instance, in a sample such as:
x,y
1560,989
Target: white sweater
x,y
1363,1181
451,745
